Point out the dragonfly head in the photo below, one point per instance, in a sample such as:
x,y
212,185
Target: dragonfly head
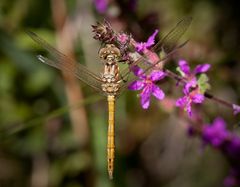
x,y
109,53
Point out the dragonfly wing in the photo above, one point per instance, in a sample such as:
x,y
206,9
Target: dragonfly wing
x,y
62,62
144,64
170,41
77,70
168,45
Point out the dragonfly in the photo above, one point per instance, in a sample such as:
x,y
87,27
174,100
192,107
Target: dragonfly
x,y
112,81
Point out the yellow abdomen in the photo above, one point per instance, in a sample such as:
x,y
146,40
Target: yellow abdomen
x,y
110,142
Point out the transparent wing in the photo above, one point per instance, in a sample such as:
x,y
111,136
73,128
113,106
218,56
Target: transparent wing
x,y
80,72
146,66
168,45
62,62
170,41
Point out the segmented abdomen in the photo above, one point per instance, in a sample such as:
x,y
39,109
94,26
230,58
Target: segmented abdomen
x,y
111,143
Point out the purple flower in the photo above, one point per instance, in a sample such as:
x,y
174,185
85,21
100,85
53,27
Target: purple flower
x,y
193,88
122,38
189,76
146,84
215,134
233,147
230,181
218,136
142,46
236,109
186,101
101,5
233,178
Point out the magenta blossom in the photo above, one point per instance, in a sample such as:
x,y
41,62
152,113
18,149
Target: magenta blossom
x,y
186,101
122,38
142,46
189,76
101,5
228,143
194,88
216,133
147,85
233,147
233,179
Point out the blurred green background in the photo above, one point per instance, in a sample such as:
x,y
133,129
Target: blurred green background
x,y
53,128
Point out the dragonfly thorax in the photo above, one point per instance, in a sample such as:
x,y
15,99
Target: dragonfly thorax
x,y
110,77
110,82
110,59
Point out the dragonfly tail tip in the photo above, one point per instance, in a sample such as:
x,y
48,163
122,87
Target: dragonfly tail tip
x,y
110,174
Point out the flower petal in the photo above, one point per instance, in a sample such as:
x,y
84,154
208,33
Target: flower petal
x,y
140,46
184,66
215,134
181,102
138,72
136,85
219,123
198,98
191,84
201,68
188,108
122,38
145,103
157,92
233,147
145,97
156,75
151,39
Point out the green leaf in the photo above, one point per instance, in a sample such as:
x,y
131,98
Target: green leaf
x,y
203,78
203,83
